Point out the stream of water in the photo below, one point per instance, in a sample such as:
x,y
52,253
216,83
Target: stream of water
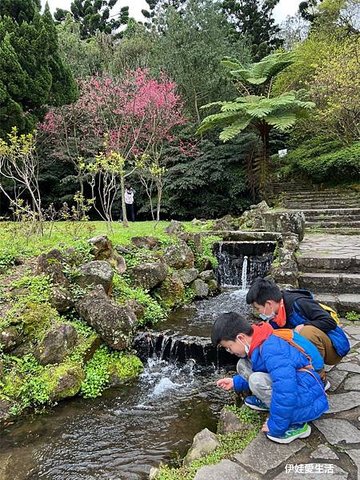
x,y
131,428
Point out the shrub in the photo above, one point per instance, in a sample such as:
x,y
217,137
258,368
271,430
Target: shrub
x,y
325,160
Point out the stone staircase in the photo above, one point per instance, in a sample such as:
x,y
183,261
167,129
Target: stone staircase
x,y
329,255
338,210
329,266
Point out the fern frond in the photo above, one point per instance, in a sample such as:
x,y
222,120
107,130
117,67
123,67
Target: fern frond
x,y
234,129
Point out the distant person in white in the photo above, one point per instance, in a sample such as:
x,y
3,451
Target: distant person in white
x,y
129,202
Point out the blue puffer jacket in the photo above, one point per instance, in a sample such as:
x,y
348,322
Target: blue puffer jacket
x,y
297,396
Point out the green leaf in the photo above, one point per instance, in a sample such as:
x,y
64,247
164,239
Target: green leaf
x,y
234,129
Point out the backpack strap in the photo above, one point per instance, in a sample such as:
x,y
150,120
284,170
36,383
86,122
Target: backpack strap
x,y
288,335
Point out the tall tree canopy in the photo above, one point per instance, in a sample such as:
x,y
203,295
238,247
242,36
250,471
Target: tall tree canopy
x,y
95,15
253,19
32,74
194,41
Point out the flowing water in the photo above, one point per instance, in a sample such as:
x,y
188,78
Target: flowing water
x,y
131,428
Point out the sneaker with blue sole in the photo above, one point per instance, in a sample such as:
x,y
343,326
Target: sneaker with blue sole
x,y
298,431
256,404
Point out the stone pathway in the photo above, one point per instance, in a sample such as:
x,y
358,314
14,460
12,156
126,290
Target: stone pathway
x,y
331,452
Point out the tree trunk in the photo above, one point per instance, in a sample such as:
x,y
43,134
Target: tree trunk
x,y
123,206
264,159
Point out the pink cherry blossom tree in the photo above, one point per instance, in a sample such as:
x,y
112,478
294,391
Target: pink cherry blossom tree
x,y
114,123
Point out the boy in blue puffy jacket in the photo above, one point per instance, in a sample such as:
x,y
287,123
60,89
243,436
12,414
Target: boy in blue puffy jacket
x,y
298,310
277,373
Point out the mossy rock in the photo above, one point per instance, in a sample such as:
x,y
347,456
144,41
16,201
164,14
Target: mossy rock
x,y
124,368
66,380
171,292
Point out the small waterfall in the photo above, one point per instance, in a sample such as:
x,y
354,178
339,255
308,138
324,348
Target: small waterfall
x,y
244,274
239,263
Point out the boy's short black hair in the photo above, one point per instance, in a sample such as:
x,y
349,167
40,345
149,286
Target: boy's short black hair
x,y
263,290
227,326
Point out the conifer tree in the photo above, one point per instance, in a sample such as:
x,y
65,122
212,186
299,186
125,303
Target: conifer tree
x,y
95,15
253,19
32,74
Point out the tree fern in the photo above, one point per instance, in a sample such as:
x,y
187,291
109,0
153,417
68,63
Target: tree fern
x,y
258,109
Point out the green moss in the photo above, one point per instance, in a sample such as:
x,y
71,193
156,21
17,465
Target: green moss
x,y
35,288
60,389
104,363
153,312
32,318
352,316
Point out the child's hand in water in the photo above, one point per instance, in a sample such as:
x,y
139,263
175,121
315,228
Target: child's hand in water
x,y
225,383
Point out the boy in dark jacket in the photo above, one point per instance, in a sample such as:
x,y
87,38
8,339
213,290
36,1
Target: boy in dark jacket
x,y
277,373
298,310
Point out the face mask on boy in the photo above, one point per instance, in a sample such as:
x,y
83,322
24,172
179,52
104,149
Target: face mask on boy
x,y
246,347
267,318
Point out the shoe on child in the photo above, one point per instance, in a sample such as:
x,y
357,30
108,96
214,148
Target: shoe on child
x,y
294,432
256,404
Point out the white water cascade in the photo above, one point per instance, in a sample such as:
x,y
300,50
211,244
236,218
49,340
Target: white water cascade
x,y
244,274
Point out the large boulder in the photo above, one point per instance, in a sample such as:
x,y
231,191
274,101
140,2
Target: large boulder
x,y
207,275
171,292
285,222
67,383
149,275
52,264
114,323
201,289
188,275
226,223
148,242
56,344
253,218
10,338
174,228
179,256
61,299
102,249
229,422
97,272
204,443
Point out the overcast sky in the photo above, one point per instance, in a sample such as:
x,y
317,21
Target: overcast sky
x,y
283,9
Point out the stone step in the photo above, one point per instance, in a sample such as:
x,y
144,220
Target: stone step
x,y
341,303
329,264
317,205
338,283
321,217
309,199
327,211
321,194
334,231
331,224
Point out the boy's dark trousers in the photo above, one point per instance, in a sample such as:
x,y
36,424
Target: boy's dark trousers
x,y
130,212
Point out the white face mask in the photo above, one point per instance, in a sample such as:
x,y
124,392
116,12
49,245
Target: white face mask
x,y
246,347
267,318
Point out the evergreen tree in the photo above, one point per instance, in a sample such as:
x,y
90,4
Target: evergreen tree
x,y
32,74
195,40
253,19
308,9
95,15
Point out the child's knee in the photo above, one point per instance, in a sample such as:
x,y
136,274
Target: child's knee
x,y
257,379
